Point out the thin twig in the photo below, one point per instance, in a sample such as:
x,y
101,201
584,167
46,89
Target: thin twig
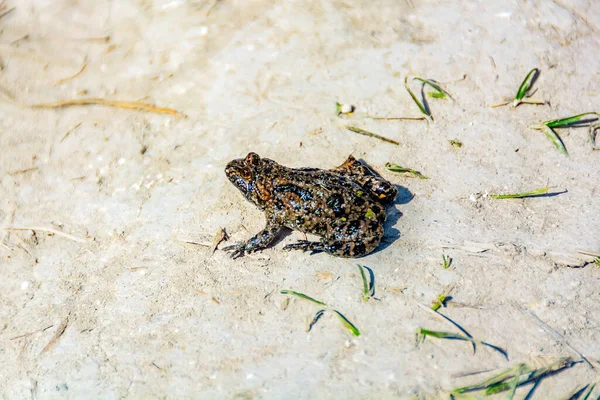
x,y
61,329
70,130
73,76
371,134
32,333
44,229
129,105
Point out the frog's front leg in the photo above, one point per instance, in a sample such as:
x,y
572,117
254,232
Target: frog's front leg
x,y
338,248
258,242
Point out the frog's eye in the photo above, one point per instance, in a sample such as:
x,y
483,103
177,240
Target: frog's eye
x,y
245,173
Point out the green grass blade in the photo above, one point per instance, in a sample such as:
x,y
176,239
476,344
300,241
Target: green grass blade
x,y
522,372
302,296
535,192
421,106
589,391
515,382
397,168
565,122
556,140
443,335
498,378
440,301
526,85
436,95
439,92
456,336
593,129
349,325
316,319
364,281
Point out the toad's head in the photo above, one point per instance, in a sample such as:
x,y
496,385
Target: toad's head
x,y
244,173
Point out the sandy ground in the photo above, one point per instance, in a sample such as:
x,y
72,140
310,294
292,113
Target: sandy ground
x,y
135,311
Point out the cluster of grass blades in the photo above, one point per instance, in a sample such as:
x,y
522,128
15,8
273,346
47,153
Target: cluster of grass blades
x,y
577,121
510,379
423,333
437,93
368,284
446,261
345,321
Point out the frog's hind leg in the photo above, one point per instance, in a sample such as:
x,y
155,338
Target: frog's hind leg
x,y
353,167
346,249
381,189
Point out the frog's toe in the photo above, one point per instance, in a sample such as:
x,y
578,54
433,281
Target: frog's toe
x,y
236,250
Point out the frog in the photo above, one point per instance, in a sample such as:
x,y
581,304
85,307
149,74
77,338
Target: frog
x,y
345,206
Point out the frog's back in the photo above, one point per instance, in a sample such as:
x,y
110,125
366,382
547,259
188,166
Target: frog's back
x,y
322,202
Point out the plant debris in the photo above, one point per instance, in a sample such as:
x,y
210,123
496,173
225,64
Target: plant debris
x,y
532,193
400,169
345,109
316,319
129,105
576,121
72,76
511,378
349,325
440,301
456,143
371,134
59,331
422,333
302,296
353,329
219,237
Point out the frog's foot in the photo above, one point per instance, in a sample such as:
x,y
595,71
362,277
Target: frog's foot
x,y
236,250
305,245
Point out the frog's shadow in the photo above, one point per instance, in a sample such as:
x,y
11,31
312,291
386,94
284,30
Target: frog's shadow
x,y
392,234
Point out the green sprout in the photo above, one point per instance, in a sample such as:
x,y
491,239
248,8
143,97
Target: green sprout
x,y
440,301
522,96
456,143
397,168
446,261
368,285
